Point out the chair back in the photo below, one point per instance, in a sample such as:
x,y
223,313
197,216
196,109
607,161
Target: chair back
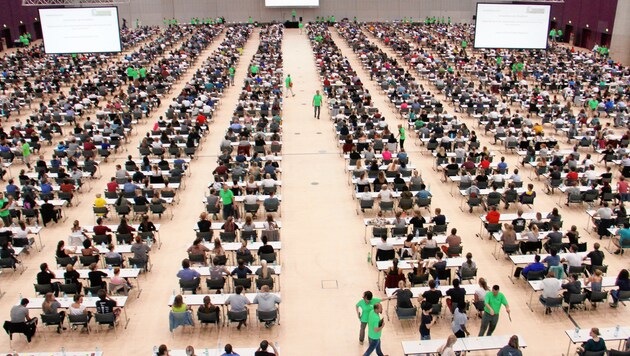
x,y
206,236
42,289
215,284
80,319
51,319
406,313
190,285
267,315
208,318
577,298
269,257
535,275
598,296
237,316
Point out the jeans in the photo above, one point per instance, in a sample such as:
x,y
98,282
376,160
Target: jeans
x,y
402,143
316,111
615,295
374,345
362,331
488,322
425,337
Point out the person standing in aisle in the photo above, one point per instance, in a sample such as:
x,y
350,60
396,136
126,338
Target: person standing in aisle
x,y
375,328
289,85
493,302
317,104
293,15
401,136
364,308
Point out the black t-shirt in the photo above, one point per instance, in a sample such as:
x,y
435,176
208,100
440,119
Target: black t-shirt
x,y
597,258
458,295
403,298
439,220
105,306
204,225
425,320
417,222
432,296
44,277
519,223
263,353
96,278
265,249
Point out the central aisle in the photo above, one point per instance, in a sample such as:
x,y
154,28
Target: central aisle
x,y
321,232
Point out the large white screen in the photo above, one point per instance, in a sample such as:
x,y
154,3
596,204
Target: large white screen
x,y
512,26
80,30
292,3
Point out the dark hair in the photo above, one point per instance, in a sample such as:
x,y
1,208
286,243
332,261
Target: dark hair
x,y
87,243
101,294
456,282
367,295
623,274
264,344
495,287
24,302
185,263
239,289
432,283
513,342
537,258
228,348
43,266
162,350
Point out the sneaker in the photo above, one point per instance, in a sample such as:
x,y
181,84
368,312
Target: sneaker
x,y
618,252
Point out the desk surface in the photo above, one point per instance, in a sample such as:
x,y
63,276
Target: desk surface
x,y
89,302
608,334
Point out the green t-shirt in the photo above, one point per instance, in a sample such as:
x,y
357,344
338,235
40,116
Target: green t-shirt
x,y
250,20
593,104
129,71
4,213
402,133
317,100
254,69
495,302
499,60
319,38
226,196
301,25
143,72
464,44
520,66
293,13
559,32
366,308
552,33
373,320
26,149
231,70
287,82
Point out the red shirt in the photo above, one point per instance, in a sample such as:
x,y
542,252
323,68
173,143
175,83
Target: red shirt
x,y
101,229
201,119
622,186
572,175
112,186
89,146
485,164
66,187
493,217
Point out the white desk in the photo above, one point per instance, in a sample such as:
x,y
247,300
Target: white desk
x,y
248,351
608,334
89,302
429,346
481,343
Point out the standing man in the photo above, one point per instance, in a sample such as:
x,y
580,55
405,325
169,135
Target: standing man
x,y
250,20
293,15
401,135
317,104
26,153
364,308
375,327
493,302
227,198
232,71
289,85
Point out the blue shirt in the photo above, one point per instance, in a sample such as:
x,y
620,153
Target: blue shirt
x,y
624,234
241,273
187,274
533,267
46,188
423,194
552,260
129,187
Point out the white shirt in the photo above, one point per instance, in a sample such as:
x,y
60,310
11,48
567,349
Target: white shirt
x,y
385,246
573,259
385,195
551,287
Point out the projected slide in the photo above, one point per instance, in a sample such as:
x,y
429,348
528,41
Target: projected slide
x,y
80,30
512,26
292,3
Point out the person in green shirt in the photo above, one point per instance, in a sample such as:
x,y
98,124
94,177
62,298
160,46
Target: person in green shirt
x,y
493,302
559,35
449,20
552,34
254,69
375,328
293,15
250,20
26,153
288,83
401,136
319,38
593,103
5,213
231,70
317,104
354,19
364,307
499,61
332,19
143,72
165,21
227,198
300,26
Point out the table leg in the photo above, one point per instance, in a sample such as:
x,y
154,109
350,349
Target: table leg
x,y
138,285
39,236
530,301
126,317
569,347
365,234
511,276
387,309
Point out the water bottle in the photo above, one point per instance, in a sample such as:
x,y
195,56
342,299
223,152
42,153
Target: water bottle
x,y
417,233
63,351
206,353
109,268
103,244
369,258
174,292
36,224
155,350
149,242
437,282
577,331
617,330
64,296
135,266
90,294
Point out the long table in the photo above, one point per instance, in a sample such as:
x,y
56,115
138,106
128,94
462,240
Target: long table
x,y
124,273
242,351
88,302
578,335
478,343
382,266
536,286
527,259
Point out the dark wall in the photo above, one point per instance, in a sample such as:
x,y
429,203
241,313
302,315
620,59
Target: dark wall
x,y
599,15
12,12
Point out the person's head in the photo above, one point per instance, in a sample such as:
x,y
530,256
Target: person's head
x,y
483,283
102,294
190,351
43,267
378,308
78,298
24,302
93,266
178,301
60,245
623,274
49,297
495,290
537,258
453,231
264,239
469,256
426,307
185,263
432,284
595,246
87,243
238,289
162,350
367,296
456,282
264,345
513,342
206,300
439,255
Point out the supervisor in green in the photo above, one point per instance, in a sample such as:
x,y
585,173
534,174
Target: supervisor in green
x,y
288,83
317,104
401,136
227,199
375,328
364,308
493,302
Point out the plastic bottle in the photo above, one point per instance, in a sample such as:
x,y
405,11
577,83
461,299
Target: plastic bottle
x,y
155,350
206,353
577,331
369,258
437,282
617,330
63,351
90,294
